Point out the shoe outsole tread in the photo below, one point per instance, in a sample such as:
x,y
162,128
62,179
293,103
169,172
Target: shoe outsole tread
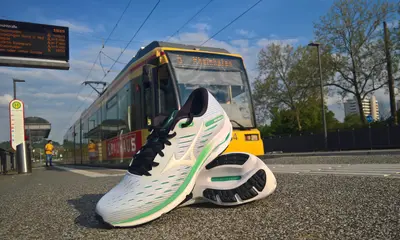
x,y
246,191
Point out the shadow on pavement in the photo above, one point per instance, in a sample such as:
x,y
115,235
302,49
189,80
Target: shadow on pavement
x,y
210,205
87,203
54,168
86,206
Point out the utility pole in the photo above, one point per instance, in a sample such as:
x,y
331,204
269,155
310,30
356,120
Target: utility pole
x,y
314,44
15,86
390,74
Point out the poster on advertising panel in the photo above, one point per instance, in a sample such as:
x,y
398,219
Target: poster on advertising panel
x,y
124,146
17,125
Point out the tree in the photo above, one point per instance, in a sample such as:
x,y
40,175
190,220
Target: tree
x,y
287,78
6,145
352,121
312,117
284,121
353,30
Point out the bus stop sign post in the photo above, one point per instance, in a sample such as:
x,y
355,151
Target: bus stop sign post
x,y
17,137
24,163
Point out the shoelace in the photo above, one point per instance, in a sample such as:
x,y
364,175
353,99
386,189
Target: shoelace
x,y
143,161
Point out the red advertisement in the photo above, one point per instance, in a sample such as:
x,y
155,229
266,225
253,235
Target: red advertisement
x,y
124,146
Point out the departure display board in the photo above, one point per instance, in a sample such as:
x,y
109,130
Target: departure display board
x,y
31,40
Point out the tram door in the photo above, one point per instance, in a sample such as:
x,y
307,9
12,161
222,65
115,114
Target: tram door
x,y
149,96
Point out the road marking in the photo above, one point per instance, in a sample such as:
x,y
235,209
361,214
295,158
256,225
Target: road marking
x,y
92,173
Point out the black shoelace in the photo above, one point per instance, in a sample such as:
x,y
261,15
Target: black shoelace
x,y
143,160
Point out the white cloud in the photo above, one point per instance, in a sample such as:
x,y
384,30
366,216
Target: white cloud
x,y
53,95
5,100
100,28
333,97
36,94
202,27
88,99
266,41
246,33
242,43
47,75
73,27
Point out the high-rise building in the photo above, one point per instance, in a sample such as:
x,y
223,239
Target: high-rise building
x,y
398,105
369,105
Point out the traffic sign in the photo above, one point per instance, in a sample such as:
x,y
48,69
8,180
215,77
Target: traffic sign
x,y
370,119
17,125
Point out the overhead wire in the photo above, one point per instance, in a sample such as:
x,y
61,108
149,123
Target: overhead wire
x,y
81,88
94,38
112,58
115,61
127,45
234,20
99,54
195,15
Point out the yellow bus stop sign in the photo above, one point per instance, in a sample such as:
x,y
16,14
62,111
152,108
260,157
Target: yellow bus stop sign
x,y
16,105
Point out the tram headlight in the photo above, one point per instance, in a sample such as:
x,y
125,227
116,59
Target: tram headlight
x,y
251,137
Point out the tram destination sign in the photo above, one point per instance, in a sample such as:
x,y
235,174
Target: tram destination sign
x,y
205,60
31,40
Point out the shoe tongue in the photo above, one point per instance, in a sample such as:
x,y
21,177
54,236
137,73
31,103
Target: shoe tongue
x,y
165,122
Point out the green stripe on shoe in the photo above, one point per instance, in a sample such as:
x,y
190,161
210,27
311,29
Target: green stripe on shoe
x,y
214,120
225,178
200,159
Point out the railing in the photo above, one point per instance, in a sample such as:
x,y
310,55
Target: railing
x,y
7,161
368,138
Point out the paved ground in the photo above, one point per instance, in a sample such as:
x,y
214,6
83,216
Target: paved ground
x,y
339,153
355,159
379,170
59,204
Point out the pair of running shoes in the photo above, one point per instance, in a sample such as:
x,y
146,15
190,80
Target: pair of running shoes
x,y
181,164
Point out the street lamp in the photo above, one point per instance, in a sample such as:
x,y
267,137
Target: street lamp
x,y
315,44
15,87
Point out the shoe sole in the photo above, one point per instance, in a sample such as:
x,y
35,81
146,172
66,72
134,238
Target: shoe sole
x,y
221,141
233,179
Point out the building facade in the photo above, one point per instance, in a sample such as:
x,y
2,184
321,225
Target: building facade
x,y
369,105
398,104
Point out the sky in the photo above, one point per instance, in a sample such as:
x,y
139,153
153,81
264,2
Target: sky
x,y
56,95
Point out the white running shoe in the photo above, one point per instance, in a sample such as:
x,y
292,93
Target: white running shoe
x,y
232,179
163,172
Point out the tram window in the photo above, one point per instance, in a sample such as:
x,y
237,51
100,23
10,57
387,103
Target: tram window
x,y
166,96
110,124
112,109
92,121
237,90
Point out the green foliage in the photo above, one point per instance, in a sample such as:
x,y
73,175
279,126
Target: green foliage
x,y
284,121
42,143
6,144
352,121
288,78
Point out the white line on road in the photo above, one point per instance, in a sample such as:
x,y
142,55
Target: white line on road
x,y
383,170
92,174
